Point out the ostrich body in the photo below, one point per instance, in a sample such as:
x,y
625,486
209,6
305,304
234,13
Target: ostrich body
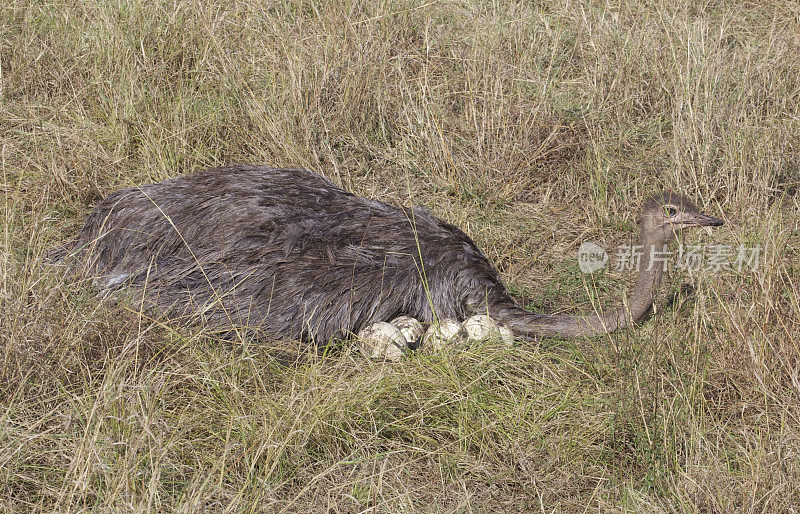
x,y
291,254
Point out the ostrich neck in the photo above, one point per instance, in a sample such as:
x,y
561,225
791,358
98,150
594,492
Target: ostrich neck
x,y
634,310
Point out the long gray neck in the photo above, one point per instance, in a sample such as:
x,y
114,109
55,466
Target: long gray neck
x,y
633,311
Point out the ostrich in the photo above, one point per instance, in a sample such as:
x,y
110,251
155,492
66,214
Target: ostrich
x,y
289,253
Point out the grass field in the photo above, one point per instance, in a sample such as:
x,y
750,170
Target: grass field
x,y
534,126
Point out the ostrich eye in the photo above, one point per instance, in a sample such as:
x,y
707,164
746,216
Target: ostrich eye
x,y
671,211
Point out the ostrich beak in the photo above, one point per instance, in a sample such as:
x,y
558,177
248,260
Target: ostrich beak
x,y
708,221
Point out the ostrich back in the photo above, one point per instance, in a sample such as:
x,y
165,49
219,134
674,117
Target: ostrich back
x,y
283,251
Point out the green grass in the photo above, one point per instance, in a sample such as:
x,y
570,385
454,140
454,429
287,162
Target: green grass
x,y
534,126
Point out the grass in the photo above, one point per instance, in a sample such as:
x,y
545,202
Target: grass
x,y
534,126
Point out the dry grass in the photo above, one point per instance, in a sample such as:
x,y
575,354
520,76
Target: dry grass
x,y
532,125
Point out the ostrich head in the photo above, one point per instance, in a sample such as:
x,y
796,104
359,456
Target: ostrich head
x,y
665,215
